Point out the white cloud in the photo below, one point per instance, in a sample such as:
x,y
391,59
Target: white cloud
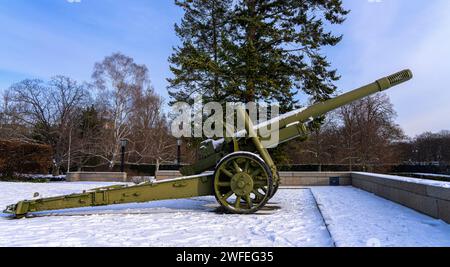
x,y
74,1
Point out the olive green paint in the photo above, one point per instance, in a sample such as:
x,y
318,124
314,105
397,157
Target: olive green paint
x,y
251,178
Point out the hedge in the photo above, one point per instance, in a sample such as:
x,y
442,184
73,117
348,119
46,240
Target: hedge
x,y
24,158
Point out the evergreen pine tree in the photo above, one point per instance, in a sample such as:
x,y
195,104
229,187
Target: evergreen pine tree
x,y
253,50
276,49
198,64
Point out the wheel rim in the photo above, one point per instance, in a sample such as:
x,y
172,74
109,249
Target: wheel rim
x,y
275,189
242,183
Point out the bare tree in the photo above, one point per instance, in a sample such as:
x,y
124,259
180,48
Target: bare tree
x,y
118,80
49,110
86,139
131,110
10,128
430,147
152,142
361,133
83,132
368,131
348,134
320,147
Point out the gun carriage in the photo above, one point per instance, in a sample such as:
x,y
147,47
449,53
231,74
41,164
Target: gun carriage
x,y
244,176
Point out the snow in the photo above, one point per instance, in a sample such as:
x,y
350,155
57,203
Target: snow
x,y
287,115
217,144
433,175
409,180
347,217
357,218
263,125
291,219
41,176
44,176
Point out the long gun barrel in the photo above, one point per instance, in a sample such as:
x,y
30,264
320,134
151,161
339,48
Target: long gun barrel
x,y
319,109
292,124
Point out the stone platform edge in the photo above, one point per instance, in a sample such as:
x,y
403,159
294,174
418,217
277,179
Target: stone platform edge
x,y
96,177
429,199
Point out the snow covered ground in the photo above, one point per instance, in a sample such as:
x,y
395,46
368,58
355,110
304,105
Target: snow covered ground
x,y
409,179
292,219
357,218
354,218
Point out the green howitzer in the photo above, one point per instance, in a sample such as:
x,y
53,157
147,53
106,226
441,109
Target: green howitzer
x,y
243,178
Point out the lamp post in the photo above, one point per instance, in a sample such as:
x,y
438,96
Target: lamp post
x,y
123,144
179,152
70,144
416,153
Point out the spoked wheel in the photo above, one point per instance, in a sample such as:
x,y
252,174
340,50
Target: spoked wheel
x,y
243,183
275,190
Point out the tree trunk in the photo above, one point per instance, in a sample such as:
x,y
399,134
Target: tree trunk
x,y
215,51
251,41
56,170
157,165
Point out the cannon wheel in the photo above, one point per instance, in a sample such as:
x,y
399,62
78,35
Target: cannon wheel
x,y
275,190
243,183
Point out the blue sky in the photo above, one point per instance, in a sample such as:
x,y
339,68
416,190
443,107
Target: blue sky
x,y
41,38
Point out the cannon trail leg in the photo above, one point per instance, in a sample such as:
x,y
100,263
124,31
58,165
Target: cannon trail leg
x,y
172,189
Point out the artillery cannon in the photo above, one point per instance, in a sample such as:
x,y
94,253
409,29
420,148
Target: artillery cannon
x,y
244,176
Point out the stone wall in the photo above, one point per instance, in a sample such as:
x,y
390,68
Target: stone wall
x,y
315,178
289,178
96,177
165,175
428,197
